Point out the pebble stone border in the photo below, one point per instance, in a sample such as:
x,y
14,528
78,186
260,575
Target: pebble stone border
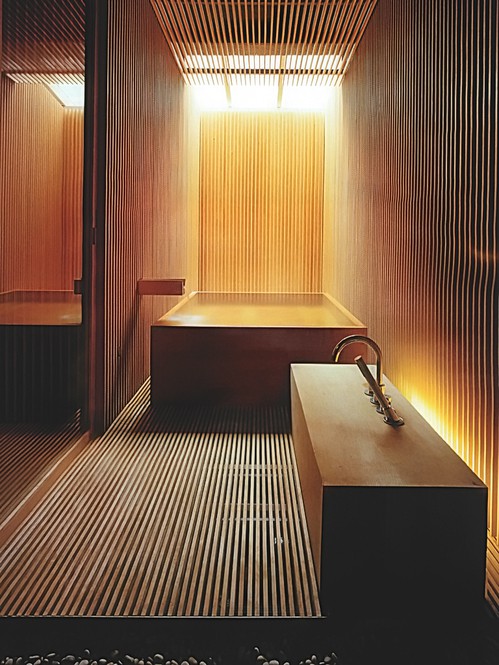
x,y
253,656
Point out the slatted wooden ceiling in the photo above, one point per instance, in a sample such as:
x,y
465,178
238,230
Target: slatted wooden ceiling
x,y
44,41
244,41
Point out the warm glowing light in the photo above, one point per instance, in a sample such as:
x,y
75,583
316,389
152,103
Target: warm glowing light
x,y
210,97
69,94
258,97
329,62
231,63
435,419
305,97
261,96
245,64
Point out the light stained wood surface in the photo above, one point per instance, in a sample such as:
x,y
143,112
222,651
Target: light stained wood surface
x,y
273,41
353,446
261,202
178,513
259,310
145,229
239,346
40,189
395,517
415,242
43,308
27,453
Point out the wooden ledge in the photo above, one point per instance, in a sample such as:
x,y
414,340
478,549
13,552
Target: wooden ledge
x,y
161,287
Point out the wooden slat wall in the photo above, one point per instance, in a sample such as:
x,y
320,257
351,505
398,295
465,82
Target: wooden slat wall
x,y
261,202
415,241
305,41
44,40
40,189
31,158
72,195
145,235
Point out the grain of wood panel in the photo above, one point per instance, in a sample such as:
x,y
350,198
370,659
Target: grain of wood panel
x,y
235,41
44,41
40,250
40,189
261,202
72,195
415,236
145,226
189,498
31,154
28,453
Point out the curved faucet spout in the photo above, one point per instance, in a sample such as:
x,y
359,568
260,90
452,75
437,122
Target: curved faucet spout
x,y
369,342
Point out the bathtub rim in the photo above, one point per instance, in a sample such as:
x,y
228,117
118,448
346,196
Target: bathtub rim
x,y
353,321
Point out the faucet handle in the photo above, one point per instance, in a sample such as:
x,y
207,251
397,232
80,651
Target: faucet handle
x,y
390,415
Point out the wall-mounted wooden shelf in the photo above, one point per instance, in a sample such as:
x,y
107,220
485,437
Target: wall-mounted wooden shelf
x,y
161,287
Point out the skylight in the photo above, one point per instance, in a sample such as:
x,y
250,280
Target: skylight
x,y
261,97
69,94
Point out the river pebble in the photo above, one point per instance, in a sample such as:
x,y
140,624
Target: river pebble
x,y
245,656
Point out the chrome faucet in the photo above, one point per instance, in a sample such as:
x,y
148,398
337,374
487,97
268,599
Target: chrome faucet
x,y
384,406
376,387
379,358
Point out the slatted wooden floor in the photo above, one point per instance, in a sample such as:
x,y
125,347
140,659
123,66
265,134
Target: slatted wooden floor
x,y
176,513
27,454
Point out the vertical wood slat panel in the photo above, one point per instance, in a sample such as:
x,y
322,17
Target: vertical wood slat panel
x,y
31,154
72,194
261,202
40,250
44,41
415,243
146,198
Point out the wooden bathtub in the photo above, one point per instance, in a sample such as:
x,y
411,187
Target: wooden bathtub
x,y
236,349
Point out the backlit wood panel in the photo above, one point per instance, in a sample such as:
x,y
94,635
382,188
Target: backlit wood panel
x,y
145,226
261,202
415,239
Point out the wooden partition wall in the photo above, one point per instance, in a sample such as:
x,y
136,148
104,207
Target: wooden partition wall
x,y
72,194
40,189
145,219
414,248
261,202
41,161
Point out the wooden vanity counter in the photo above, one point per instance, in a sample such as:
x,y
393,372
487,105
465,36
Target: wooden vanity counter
x,y
397,520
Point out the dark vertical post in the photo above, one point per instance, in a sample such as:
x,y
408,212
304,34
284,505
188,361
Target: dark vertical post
x,y
94,206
